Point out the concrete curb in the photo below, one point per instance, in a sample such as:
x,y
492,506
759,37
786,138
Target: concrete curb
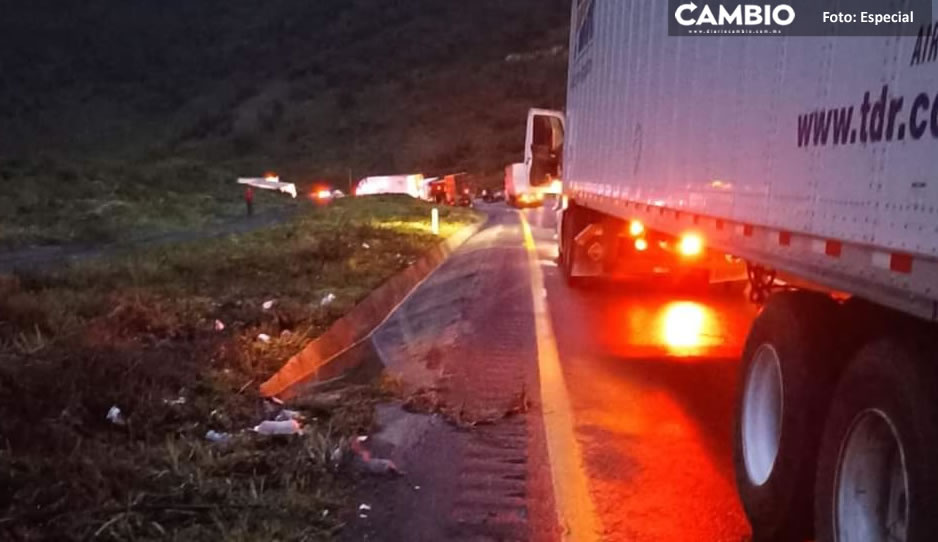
x,y
324,357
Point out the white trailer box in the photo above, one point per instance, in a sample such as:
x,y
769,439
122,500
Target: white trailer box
x,y
269,183
390,184
810,158
816,155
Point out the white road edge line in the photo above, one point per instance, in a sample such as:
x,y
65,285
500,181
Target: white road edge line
x,y
576,512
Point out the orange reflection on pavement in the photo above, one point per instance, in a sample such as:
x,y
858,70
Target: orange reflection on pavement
x,y
682,324
652,326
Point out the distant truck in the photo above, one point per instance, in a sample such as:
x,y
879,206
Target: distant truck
x,y
452,189
464,189
528,182
270,182
443,190
518,191
812,160
390,184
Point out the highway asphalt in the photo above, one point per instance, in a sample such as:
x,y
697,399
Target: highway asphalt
x,y
652,378
628,391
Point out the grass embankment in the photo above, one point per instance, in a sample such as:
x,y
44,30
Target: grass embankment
x,y
139,332
126,115
80,203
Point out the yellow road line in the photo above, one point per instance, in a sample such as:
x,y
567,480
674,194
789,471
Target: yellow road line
x,y
575,510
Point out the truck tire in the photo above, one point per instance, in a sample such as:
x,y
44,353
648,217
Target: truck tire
x,y
574,220
877,477
790,364
566,246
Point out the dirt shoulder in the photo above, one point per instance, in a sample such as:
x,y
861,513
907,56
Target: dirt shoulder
x,y
177,338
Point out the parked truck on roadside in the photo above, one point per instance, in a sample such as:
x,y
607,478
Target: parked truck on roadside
x,y
391,184
451,189
813,161
527,183
518,190
442,190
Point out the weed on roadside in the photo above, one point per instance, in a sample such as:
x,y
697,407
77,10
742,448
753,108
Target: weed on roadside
x,y
178,340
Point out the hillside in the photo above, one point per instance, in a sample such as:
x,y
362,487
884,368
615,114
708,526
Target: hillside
x,y
109,104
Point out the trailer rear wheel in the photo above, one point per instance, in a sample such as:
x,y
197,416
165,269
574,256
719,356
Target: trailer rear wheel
x,y
877,479
573,221
566,247
789,367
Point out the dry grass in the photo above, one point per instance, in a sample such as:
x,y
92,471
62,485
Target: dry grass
x,y
139,332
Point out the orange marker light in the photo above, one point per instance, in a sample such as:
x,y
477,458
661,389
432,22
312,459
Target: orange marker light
x,y
636,228
691,245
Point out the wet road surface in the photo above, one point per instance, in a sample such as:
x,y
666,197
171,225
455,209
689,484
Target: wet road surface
x,y
463,341
652,377
647,379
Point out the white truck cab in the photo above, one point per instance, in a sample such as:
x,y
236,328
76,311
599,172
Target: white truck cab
x,y
540,174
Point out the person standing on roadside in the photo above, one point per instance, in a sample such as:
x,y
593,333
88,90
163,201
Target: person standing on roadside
x,y
249,199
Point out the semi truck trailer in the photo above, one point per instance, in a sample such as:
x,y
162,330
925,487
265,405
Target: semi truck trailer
x,y
811,160
411,185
